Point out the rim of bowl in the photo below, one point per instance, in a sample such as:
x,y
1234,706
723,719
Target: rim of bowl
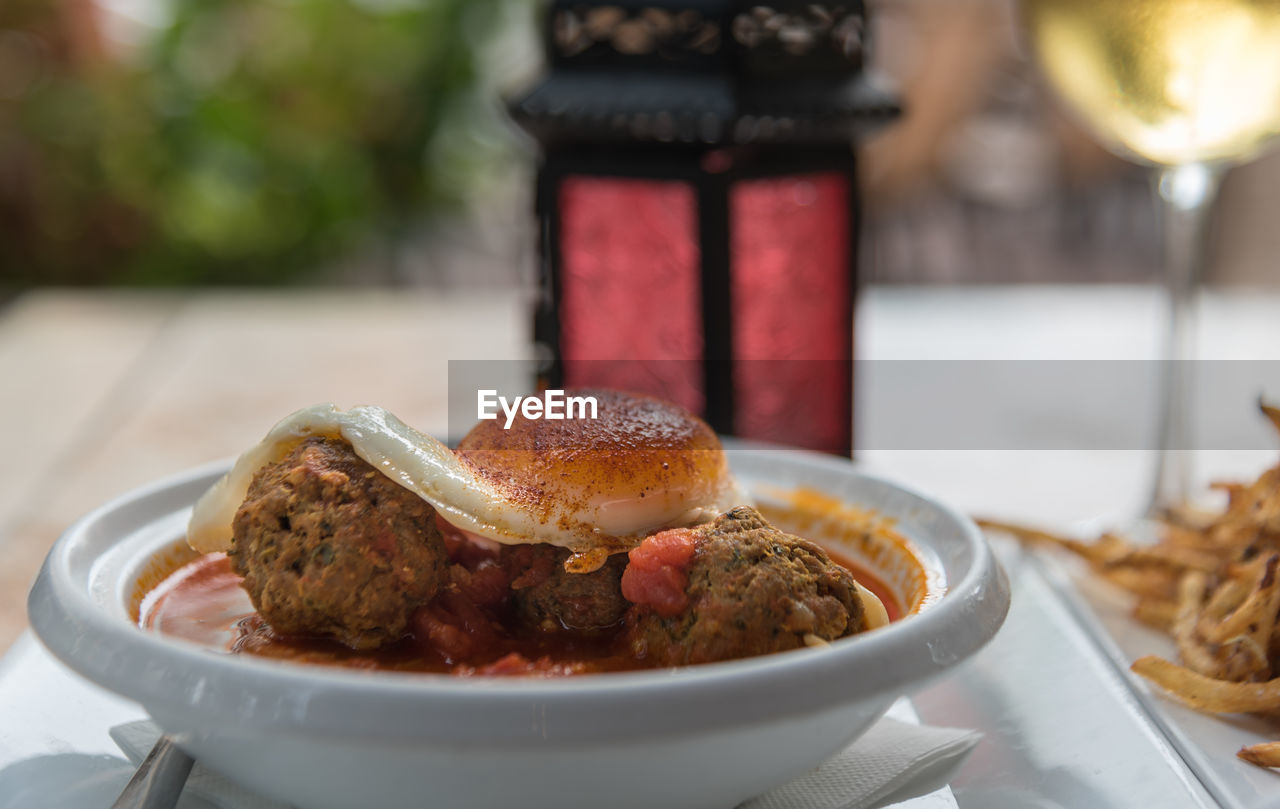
x,y
236,693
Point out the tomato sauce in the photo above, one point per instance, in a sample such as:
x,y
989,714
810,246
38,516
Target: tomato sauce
x,y
465,631
203,602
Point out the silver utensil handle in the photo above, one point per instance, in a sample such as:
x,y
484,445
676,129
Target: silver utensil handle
x,y
159,779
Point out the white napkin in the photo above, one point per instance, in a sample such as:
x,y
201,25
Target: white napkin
x,y
893,761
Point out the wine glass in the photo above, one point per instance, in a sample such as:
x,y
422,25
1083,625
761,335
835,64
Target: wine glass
x,y
1189,87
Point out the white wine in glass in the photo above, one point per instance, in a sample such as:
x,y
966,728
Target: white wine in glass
x,y
1191,87
1168,82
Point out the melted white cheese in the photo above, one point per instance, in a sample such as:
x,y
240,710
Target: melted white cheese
x,y
428,468
873,612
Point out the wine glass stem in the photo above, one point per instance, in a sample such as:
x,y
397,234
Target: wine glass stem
x,y
1186,194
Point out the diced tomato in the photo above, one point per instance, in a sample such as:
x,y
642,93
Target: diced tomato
x,y
657,571
456,627
516,664
673,548
435,628
486,585
461,548
529,566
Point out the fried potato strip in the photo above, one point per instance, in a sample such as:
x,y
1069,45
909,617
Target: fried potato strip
x,y
1157,613
1266,754
1208,693
1212,582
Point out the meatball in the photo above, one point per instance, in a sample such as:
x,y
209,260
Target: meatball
x,y
548,597
329,546
734,588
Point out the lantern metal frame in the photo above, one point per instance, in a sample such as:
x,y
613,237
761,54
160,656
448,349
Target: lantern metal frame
x,y
662,90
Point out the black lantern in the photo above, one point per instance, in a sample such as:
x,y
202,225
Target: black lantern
x,y
698,206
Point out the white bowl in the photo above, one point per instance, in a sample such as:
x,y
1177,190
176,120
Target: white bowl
x,y
330,738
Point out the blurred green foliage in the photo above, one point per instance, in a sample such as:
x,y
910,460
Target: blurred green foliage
x,y
248,141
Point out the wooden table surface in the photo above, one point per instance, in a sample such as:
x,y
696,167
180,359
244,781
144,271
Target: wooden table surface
x,y
103,391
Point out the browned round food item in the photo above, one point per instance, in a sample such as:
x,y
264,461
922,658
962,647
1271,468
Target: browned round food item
x,y
641,464
548,597
751,590
329,546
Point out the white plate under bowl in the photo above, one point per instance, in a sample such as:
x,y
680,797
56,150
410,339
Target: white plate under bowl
x,y
328,738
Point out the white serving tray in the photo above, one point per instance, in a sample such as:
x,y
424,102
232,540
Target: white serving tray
x,y
1064,724
1206,743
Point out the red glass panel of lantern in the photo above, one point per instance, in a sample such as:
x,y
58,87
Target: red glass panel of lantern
x,y
631,294
791,294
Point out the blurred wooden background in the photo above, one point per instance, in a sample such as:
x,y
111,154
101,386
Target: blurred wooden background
x,y
985,180
988,179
